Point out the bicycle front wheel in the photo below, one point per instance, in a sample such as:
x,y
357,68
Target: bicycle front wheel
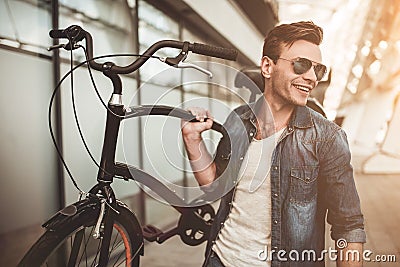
x,y
73,244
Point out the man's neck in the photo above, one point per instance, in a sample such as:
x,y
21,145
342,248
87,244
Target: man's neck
x,y
281,113
272,116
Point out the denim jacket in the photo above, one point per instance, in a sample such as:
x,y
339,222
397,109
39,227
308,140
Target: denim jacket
x,y
311,177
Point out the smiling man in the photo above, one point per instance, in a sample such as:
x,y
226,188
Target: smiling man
x,y
287,167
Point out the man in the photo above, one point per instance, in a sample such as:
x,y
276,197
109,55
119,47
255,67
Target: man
x,y
287,167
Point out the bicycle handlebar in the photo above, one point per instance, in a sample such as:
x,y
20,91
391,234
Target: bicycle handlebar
x,y
145,110
75,34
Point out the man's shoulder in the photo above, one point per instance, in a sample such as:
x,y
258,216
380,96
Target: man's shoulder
x,y
241,112
323,123
243,108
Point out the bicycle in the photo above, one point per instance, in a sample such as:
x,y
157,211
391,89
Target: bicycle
x,y
100,230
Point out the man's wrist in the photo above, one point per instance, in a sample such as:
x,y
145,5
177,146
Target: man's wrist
x,y
193,139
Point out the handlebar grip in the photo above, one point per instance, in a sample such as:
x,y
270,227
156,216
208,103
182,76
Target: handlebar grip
x,y
58,34
219,128
188,116
215,126
215,51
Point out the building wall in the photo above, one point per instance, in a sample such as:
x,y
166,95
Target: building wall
x,y
27,155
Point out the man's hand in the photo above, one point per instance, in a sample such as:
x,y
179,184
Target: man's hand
x,y
200,160
191,131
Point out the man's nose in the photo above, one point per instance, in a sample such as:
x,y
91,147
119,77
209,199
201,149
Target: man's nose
x,y
310,75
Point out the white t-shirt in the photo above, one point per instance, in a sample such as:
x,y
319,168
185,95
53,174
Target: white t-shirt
x,y
247,229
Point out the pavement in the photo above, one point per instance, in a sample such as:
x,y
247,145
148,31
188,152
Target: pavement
x,y
171,253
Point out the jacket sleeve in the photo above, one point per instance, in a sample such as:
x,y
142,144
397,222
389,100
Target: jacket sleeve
x,y
343,203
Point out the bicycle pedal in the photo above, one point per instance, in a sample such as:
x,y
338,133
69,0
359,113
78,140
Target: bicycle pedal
x,y
151,233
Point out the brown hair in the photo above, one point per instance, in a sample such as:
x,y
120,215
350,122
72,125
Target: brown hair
x,y
287,34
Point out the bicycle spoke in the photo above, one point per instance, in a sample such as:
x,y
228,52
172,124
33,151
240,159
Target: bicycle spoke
x,y
113,245
117,260
76,247
122,261
97,254
116,247
85,247
120,254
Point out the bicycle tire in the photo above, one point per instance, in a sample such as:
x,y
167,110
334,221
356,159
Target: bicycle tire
x,y
52,248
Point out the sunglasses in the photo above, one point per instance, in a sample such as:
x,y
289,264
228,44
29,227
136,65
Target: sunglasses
x,y
302,65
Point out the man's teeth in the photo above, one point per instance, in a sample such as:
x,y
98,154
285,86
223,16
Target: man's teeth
x,y
302,88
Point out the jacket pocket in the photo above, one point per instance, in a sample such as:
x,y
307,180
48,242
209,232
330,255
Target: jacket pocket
x,y
303,184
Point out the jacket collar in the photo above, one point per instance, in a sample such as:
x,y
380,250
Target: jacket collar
x,y
301,117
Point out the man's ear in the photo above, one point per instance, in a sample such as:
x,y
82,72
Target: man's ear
x,y
266,67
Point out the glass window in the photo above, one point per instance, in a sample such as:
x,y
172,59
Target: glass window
x,y
155,26
27,23
107,21
111,13
158,20
162,143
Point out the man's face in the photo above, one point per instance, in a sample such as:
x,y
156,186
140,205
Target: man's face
x,y
287,86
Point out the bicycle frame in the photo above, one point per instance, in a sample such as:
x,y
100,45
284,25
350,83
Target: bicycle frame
x,y
109,169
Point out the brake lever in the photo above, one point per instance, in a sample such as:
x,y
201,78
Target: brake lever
x,y
185,65
57,46
177,62
66,46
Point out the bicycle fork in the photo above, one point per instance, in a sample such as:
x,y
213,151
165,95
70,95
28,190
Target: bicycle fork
x,y
106,237
105,222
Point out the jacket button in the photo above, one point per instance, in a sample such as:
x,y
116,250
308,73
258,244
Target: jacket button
x,y
241,158
275,195
275,222
290,129
251,134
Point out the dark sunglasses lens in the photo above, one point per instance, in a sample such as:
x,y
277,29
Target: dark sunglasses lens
x,y
301,65
320,71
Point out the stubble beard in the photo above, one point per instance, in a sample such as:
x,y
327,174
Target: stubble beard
x,y
285,96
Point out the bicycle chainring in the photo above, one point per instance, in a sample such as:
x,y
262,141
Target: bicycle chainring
x,y
195,227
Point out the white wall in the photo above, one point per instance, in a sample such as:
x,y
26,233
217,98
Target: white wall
x,y
391,143
371,143
387,159
365,119
28,162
